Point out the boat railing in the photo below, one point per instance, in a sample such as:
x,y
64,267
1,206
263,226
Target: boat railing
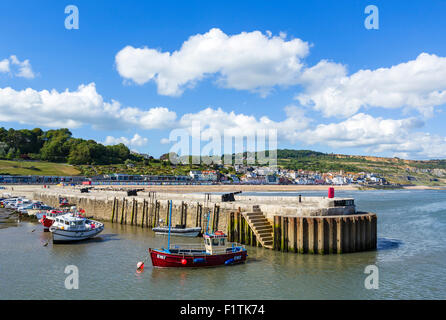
x,y
188,247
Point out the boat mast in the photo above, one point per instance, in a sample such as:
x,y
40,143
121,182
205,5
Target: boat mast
x,y
170,225
208,216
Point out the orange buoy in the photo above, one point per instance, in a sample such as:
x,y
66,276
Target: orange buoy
x,y
183,261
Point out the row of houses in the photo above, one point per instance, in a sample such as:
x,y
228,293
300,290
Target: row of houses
x,y
252,175
274,175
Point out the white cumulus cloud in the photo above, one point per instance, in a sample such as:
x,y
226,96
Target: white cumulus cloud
x,y
397,136
4,66
417,84
135,141
73,109
217,121
247,61
17,68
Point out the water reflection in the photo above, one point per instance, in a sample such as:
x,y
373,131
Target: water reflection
x,y
387,243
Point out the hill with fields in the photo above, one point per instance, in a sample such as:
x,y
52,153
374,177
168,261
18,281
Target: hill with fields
x,y
39,168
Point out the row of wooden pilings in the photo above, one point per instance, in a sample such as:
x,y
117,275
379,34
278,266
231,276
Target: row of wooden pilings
x,y
314,235
151,213
324,235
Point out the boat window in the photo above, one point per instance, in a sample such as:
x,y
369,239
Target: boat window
x,y
67,223
215,242
222,241
208,242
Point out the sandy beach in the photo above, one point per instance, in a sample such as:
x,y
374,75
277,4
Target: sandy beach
x,y
28,189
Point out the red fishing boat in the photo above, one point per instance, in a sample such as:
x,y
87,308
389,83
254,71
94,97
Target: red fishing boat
x,y
47,219
216,251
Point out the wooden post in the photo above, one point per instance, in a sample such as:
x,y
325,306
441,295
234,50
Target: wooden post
x,y
339,235
114,208
368,232
353,234
292,234
320,236
133,212
347,235
284,233
185,214
311,235
136,211
143,212
237,227
117,210
246,231
198,213
122,213
374,231
217,217
300,234
277,232
167,213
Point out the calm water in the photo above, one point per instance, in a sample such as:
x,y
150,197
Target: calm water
x,y
411,259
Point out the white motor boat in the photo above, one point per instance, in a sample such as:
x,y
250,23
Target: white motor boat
x,y
179,231
73,227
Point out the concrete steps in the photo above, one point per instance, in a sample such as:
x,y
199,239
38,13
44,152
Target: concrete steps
x,y
260,226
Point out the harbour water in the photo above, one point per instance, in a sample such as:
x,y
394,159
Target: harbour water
x,y
411,259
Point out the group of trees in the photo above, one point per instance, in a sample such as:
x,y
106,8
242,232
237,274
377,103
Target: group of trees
x,y
59,146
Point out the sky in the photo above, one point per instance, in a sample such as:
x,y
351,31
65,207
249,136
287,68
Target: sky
x,y
139,72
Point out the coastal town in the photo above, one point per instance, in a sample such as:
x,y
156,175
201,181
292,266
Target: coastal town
x,y
250,175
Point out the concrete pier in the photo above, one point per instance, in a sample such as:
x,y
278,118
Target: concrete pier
x,y
314,225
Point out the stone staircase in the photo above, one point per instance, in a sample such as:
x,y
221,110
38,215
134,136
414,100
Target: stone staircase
x,y
260,226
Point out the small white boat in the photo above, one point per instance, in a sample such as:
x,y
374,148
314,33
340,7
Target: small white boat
x,y
73,227
178,231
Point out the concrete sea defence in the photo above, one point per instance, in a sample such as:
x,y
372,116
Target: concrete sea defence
x,y
314,225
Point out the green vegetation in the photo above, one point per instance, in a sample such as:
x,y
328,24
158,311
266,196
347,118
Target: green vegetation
x,y
59,146
23,168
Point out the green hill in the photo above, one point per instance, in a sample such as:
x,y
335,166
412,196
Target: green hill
x,y
8,167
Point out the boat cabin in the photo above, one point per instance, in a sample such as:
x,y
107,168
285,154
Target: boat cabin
x,y
71,222
215,242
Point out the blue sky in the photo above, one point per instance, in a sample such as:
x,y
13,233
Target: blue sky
x,y
395,112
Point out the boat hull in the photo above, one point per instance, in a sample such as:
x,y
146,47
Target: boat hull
x,y
162,259
181,232
46,223
72,235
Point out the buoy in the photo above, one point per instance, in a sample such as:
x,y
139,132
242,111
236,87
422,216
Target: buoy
x,y
139,267
183,261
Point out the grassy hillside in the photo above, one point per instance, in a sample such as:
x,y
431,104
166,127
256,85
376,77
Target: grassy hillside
x,y
395,170
8,167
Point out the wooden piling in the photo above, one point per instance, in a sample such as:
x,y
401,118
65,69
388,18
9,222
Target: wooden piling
x,y
143,212
292,247
113,210
167,213
339,235
300,235
237,227
312,233
277,232
135,205
123,209
320,236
